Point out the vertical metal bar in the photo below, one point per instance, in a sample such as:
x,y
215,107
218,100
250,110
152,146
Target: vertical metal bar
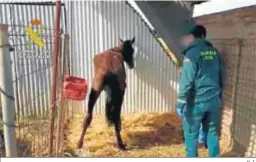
x,y
60,108
71,48
7,92
17,87
45,65
42,57
97,36
20,66
151,45
54,71
166,91
134,79
143,88
32,73
104,26
48,73
80,10
87,47
172,79
158,63
63,106
93,42
36,71
147,61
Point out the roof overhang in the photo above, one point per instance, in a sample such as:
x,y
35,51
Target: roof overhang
x,y
197,2
167,17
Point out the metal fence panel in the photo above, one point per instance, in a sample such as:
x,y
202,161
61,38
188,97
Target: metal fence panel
x,y
94,27
31,65
31,71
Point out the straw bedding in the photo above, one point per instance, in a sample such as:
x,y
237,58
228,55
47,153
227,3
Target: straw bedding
x,y
146,135
31,139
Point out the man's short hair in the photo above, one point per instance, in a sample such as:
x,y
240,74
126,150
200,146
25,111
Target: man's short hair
x,y
199,32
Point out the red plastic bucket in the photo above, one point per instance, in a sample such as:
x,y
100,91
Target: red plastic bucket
x,y
75,88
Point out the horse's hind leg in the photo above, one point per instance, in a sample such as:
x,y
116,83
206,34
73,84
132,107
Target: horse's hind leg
x,y
118,101
87,120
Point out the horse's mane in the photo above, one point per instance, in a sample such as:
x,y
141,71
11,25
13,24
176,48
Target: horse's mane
x,y
116,49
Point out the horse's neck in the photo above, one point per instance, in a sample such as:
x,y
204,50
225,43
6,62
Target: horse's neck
x,y
117,49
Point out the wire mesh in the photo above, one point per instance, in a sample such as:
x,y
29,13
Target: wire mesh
x,y
239,57
32,73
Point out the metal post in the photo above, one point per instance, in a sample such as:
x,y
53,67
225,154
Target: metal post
x,y
66,66
59,90
62,109
54,72
6,87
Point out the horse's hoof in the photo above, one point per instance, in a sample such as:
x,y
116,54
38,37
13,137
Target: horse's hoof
x,y
122,146
80,144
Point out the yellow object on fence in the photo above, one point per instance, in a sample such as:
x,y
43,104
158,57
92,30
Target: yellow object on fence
x,y
168,52
34,36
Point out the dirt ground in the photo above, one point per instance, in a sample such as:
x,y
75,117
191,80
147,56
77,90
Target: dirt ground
x,y
146,135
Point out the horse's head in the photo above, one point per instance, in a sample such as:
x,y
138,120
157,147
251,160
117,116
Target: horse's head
x,y
127,51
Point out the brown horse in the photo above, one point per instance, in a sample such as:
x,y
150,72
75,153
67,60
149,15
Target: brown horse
x,y
110,76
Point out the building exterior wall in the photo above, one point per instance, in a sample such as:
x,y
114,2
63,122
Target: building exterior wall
x,y
237,23
233,33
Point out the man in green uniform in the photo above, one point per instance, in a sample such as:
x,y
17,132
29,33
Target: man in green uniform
x,y
201,33
199,98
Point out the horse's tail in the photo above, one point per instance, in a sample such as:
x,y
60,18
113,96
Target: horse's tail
x,y
112,112
109,115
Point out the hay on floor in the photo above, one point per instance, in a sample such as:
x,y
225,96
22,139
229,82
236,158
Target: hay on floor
x,y
32,138
146,135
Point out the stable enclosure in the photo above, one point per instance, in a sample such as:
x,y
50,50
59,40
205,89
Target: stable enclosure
x,y
50,126
151,84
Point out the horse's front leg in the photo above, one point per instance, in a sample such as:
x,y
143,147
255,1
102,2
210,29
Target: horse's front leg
x,y
94,94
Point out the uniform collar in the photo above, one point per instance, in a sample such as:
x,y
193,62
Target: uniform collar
x,y
197,42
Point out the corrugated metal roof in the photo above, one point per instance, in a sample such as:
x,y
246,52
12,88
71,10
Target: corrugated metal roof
x,y
196,2
167,17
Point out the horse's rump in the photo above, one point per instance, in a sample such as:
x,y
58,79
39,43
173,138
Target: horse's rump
x,y
108,64
108,61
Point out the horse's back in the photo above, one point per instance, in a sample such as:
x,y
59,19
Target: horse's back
x,y
106,66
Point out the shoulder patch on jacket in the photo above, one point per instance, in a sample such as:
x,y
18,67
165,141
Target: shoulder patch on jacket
x,y
186,60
